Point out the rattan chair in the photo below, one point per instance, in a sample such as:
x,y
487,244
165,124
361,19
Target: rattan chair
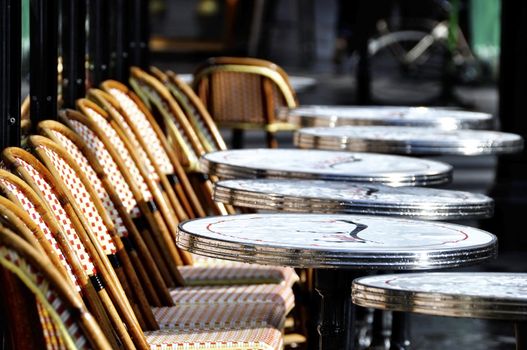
x,y
180,132
111,119
176,184
87,247
200,119
60,162
244,93
204,274
225,319
145,261
147,128
65,322
150,199
61,237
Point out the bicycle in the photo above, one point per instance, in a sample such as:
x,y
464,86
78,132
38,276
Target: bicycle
x,y
421,60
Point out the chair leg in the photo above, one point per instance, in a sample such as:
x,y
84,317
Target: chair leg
x,y
271,140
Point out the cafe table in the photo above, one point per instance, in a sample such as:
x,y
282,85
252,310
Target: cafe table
x,y
434,117
326,165
483,295
319,196
409,140
337,247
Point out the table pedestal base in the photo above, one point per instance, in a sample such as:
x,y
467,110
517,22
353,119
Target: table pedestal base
x,y
335,325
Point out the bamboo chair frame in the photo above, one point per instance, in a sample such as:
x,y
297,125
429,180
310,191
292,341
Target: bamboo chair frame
x,y
172,188
166,211
40,144
90,286
107,86
182,185
144,262
180,342
180,132
125,271
273,83
64,131
18,220
69,299
148,207
201,120
115,301
216,290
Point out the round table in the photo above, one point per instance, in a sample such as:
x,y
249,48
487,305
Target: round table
x,y
480,295
326,165
409,140
320,196
441,118
336,246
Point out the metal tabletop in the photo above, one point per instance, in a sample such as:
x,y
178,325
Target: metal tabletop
x,y
409,140
481,295
441,118
326,165
320,196
326,240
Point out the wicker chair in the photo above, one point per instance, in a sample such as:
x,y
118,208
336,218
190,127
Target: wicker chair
x,y
64,321
181,133
176,184
199,117
56,158
81,271
204,274
158,172
244,93
87,248
147,257
226,318
166,216
147,128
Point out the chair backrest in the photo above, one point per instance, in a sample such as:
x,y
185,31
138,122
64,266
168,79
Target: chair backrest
x,y
60,204
19,221
73,326
118,212
179,130
114,126
243,90
118,152
61,237
91,209
142,129
196,112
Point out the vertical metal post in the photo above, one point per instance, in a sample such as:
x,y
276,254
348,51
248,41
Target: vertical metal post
x,y
139,34
73,50
99,41
10,57
120,65
43,17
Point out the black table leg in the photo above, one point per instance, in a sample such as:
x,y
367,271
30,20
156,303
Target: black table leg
x,y
377,332
520,328
400,339
336,320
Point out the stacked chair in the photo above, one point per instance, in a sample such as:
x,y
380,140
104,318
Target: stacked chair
x,y
98,197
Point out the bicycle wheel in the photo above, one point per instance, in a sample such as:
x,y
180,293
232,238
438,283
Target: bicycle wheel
x,y
406,67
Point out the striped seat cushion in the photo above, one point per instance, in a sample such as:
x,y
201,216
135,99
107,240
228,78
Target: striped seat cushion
x,y
220,316
239,273
275,294
258,338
